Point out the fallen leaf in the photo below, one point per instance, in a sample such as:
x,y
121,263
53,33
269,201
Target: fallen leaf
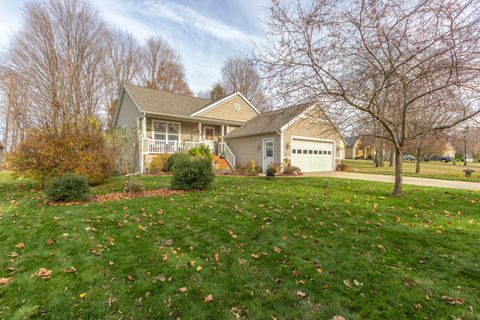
x,y
183,289
111,300
21,245
338,318
50,241
256,256
199,268
44,273
161,278
295,273
130,277
381,247
5,280
454,300
347,283
71,270
83,295
319,270
301,294
169,242
217,257
417,306
277,249
208,298
13,254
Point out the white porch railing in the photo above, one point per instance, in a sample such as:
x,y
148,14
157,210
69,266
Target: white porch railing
x,y
229,156
162,146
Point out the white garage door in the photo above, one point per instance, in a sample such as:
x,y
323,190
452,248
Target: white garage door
x,y
313,155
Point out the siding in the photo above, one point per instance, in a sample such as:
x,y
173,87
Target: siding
x,y
251,148
314,125
127,117
226,110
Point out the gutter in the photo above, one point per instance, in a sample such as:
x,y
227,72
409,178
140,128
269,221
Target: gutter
x,y
194,119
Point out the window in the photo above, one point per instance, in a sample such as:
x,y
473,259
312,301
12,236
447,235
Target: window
x,y
310,151
329,152
315,152
294,151
167,131
324,151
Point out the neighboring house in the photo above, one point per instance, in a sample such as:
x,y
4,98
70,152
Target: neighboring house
x,y
358,147
448,150
162,122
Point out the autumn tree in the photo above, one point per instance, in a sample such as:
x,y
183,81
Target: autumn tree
x,y
58,55
386,58
162,68
217,92
240,75
120,66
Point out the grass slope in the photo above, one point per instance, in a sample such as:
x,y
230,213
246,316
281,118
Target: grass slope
x,y
433,169
350,247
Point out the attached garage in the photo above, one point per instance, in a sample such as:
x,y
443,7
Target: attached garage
x,y
313,155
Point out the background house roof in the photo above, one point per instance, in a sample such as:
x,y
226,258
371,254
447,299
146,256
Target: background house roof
x,y
269,121
156,101
350,141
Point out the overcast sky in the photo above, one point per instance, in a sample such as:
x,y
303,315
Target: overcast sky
x,y
204,32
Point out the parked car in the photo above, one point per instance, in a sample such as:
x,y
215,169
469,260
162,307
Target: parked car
x,y
439,158
408,157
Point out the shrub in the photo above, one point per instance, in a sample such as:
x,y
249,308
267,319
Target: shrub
x,y
192,173
271,171
69,187
251,168
201,151
133,185
159,163
172,160
342,167
45,155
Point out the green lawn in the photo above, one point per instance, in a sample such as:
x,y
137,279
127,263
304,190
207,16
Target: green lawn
x,y
433,169
348,246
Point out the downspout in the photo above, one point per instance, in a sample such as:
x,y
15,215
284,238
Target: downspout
x,y
281,148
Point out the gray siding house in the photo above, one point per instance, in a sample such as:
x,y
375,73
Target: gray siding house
x,y
163,123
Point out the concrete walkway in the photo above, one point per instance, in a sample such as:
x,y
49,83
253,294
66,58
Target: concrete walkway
x,y
426,182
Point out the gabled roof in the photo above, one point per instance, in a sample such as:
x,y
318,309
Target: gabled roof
x,y
156,101
350,141
270,121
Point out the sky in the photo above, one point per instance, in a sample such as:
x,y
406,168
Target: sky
x,y
204,32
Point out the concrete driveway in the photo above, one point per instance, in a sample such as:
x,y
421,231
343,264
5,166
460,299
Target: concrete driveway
x,y
452,184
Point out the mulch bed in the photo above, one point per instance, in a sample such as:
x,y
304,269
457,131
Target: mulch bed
x,y
122,196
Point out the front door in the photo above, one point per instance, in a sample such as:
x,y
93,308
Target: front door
x,y
268,150
209,133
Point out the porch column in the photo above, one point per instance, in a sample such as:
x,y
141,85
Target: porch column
x,y
144,127
200,132
223,133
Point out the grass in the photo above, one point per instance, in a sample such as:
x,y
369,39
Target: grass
x,y
433,169
350,247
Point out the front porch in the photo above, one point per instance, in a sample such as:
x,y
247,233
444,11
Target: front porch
x,y
160,136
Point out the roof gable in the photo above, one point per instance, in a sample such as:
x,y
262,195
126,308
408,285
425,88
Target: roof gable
x,y
219,103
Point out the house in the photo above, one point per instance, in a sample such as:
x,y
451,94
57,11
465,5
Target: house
x,y
163,123
359,147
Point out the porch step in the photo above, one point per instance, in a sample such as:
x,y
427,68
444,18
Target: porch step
x,y
220,163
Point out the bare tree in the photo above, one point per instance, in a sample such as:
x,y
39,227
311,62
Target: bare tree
x,y
162,67
217,92
58,55
240,75
120,66
386,58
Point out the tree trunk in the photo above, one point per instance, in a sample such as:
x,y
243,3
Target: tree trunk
x,y
380,153
392,157
417,165
397,191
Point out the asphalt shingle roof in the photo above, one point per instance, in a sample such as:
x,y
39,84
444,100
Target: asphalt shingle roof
x,y
269,121
156,101
350,141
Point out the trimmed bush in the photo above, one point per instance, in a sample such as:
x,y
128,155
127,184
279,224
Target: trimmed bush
x,y
171,161
251,168
45,155
192,173
271,171
69,187
133,185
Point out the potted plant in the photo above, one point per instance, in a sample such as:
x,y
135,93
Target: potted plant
x,y
222,155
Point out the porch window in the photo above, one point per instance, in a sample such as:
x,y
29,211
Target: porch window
x,y
166,131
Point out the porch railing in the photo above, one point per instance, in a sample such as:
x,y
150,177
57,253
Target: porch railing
x,y
163,146
229,156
